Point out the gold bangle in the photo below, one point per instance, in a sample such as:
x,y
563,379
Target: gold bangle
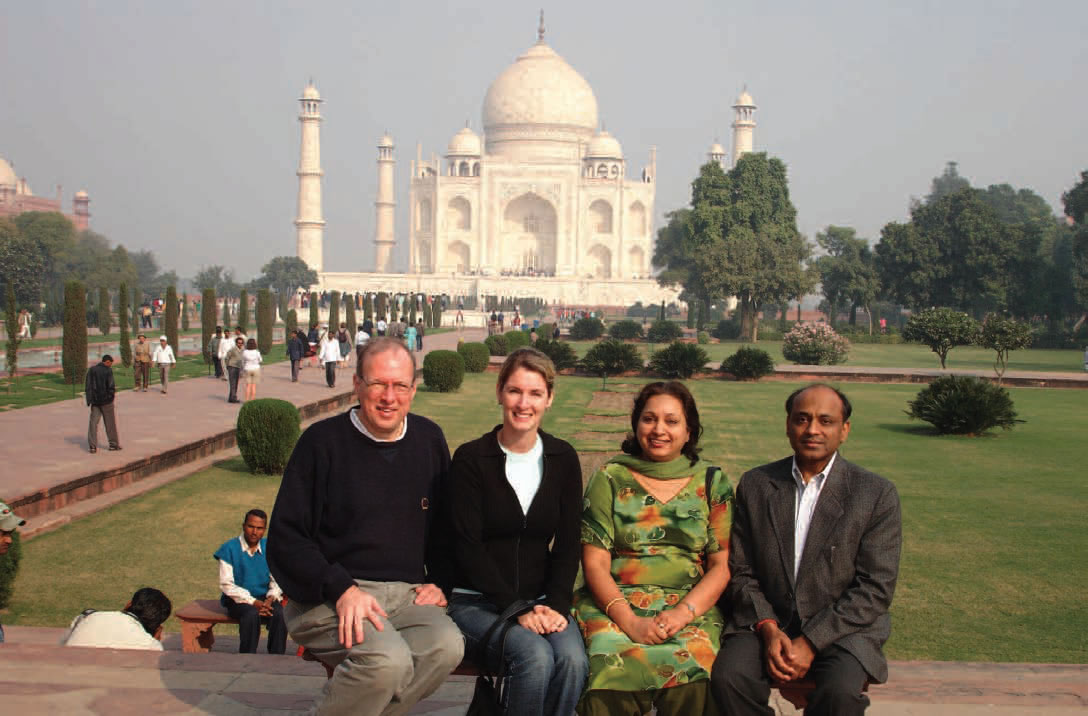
x,y
609,605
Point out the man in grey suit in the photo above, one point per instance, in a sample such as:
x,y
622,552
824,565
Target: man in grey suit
x,y
814,557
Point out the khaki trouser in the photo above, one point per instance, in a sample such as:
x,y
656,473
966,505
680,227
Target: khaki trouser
x,y
164,375
392,669
104,413
142,374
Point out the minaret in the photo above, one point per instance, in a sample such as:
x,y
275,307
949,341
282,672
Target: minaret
x,y
744,125
717,154
81,210
383,208
310,225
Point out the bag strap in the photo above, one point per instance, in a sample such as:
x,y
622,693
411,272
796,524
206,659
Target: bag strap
x,y
505,621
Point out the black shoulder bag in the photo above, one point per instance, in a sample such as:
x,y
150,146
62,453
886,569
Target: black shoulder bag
x,y
488,694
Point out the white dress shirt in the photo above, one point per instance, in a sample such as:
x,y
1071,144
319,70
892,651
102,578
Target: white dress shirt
x,y
237,593
804,506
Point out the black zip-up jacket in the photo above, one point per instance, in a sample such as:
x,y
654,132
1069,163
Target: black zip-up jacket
x,y
501,552
99,385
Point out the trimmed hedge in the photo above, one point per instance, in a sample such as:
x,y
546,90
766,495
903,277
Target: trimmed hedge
x,y
267,431
664,332
702,338
545,330
290,324
170,319
727,330
748,363
9,569
105,318
443,371
315,315
517,339
74,341
476,356
964,405
496,345
207,322
561,352
587,329
678,360
625,330
243,310
122,324
266,316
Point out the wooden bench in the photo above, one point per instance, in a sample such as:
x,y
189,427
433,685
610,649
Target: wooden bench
x,y
198,618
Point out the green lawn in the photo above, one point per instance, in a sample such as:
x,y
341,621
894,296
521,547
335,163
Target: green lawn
x,y
909,355
93,336
42,388
994,533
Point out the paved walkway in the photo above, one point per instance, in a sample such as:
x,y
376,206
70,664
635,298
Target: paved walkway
x,y
47,444
38,677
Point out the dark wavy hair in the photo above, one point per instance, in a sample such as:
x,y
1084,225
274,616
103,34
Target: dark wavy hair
x,y
151,608
691,414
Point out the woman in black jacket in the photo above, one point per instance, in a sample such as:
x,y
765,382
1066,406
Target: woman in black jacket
x,y
515,505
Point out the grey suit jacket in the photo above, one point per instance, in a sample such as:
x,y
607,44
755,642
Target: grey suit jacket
x,y
848,569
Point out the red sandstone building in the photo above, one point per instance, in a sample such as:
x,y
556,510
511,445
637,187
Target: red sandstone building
x,y
16,197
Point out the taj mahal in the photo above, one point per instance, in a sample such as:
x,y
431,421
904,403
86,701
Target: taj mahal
x,y
542,205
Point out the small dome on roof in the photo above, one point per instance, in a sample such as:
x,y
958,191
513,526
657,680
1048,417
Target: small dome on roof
x,y
745,100
385,141
604,146
7,174
81,194
310,92
717,148
464,143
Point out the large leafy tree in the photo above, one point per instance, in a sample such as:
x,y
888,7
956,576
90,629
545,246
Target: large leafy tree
x,y
286,274
949,182
55,234
22,265
1076,208
847,271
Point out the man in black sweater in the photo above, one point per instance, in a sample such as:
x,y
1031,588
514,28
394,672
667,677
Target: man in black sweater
x,y
100,390
355,547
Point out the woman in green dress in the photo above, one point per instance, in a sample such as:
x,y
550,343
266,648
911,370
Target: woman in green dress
x,y
655,552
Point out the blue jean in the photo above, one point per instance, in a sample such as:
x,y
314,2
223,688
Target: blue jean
x,y
545,674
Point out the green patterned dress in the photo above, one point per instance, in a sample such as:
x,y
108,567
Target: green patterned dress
x,y
657,557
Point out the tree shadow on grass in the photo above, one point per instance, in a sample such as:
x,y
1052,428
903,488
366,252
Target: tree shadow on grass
x,y
234,464
908,429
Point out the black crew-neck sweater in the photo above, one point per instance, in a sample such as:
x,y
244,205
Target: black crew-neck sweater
x,y
352,508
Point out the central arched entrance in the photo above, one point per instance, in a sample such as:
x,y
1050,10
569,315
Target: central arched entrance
x,y
528,236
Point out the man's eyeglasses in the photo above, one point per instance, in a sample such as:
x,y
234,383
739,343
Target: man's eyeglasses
x,y
376,388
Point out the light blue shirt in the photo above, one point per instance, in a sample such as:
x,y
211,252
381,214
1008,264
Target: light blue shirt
x,y
804,506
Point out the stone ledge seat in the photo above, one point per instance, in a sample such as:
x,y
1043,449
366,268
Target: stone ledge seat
x,y
198,618
465,668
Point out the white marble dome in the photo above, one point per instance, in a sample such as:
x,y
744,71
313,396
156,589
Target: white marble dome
x,y
385,141
7,174
745,100
310,92
604,146
464,143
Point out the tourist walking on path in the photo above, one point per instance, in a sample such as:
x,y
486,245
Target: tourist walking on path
x,y
213,351
330,356
141,363
381,326
410,338
100,390
314,339
164,358
234,368
419,334
9,522
344,343
294,354
224,347
251,368
515,504
249,593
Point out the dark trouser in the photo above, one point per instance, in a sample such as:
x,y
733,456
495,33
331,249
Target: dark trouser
x,y
142,374
742,687
218,367
295,365
232,376
330,373
419,342
682,700
249,626
105,413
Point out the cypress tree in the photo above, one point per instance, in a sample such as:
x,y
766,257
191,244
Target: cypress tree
x,y
349,311
393,308
105,320
436,311
122,322
11,323
135,312
334,311
265,319
281,304
315,316
243,310
185,311
428,318
382,308
661,315
74,350
170,318
207,322
290,323
368,307
226,312
412,313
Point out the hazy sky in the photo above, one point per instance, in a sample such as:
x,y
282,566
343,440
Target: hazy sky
x,y
180,118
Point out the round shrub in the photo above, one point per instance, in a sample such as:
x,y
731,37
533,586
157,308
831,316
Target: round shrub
x,y
749,363
664,332
678,360
727,330
516,339
815,344
444,370
611,357
625,330
964,405
587,329
545,330
496,345
9,569
561,352
702,338
476,356
267,431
